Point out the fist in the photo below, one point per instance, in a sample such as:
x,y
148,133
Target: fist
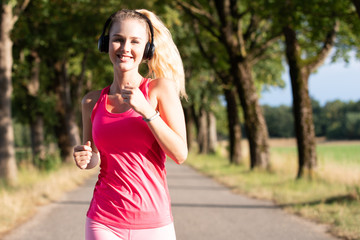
x,y
82,155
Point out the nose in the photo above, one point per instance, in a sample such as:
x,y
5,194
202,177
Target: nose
x,y
126,46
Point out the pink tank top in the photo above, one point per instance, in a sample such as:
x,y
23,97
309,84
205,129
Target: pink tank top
x,y
131,191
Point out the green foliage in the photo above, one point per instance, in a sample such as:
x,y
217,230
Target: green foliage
x,y
21,135
50,163
335,120
280,121
343,120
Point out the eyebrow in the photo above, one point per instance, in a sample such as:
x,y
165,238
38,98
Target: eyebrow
x,y
119,35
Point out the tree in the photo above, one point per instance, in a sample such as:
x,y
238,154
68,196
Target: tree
x,y
65,55
309,29
202,88
10,12
27,101
246,35
221,68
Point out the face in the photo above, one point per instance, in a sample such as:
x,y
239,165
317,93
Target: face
x,y
127,40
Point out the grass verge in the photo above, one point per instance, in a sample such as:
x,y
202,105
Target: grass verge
x,y
36,188
332,198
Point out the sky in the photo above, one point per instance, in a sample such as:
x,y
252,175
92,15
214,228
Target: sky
x,y
332,81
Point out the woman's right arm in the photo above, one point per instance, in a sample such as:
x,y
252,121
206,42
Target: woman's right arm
x,y
87,156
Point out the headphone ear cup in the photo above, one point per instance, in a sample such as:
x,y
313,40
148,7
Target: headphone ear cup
x,y
103,43
149,51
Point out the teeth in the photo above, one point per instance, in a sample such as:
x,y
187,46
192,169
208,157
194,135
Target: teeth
x,y
124,57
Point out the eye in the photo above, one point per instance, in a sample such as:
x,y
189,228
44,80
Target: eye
x,y
118,40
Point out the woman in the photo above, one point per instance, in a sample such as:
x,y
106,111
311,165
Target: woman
x,y
131,125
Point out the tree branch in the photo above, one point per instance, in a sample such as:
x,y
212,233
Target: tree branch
x,y
194,12
211,57
234,9
221,10
254,22
325,51
241,39
18,9
257,52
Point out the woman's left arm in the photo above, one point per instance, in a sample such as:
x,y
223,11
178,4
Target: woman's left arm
x,y
169,129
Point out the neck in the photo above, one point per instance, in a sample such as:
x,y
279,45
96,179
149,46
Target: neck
x,y
121,79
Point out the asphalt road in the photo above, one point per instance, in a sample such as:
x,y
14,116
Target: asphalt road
x,y
202,209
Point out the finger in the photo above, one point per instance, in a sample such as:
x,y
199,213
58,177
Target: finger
x,y
83,163
83,157
84,160
80,155
128,87
82,148
83,166
126,90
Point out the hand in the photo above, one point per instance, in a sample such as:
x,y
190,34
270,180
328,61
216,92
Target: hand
x,y
136,99
82,155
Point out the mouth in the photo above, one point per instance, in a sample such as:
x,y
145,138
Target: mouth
x,y
124,58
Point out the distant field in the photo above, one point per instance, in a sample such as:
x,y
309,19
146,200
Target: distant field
x,y
337,160
341,153
347,152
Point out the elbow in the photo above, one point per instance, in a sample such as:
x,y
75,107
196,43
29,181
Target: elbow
x,y
181,158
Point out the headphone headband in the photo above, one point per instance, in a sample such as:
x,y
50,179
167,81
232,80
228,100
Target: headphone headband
x,y
103,43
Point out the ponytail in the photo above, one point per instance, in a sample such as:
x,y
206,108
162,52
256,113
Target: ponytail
x,y
166,62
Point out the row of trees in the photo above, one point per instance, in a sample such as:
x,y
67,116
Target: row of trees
x,y
335,120
230,48
241,38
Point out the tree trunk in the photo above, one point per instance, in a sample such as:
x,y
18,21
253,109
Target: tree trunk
x,y
357,6
37,139
190,127
203,134
77,89
255,125
212,132
8,168
234,127
67,131
36,120
304,126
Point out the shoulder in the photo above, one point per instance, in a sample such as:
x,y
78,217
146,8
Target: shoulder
x,y
89,100
163,87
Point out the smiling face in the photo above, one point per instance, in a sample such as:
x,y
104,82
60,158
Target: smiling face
x,y
127,43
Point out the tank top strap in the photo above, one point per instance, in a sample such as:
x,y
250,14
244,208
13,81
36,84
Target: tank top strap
x,y
102,95
144,87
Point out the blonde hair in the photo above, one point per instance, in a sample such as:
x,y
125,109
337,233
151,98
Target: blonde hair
x,y
166,61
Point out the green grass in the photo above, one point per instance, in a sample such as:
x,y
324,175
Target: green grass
x,y
331,198
34,188
348,154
